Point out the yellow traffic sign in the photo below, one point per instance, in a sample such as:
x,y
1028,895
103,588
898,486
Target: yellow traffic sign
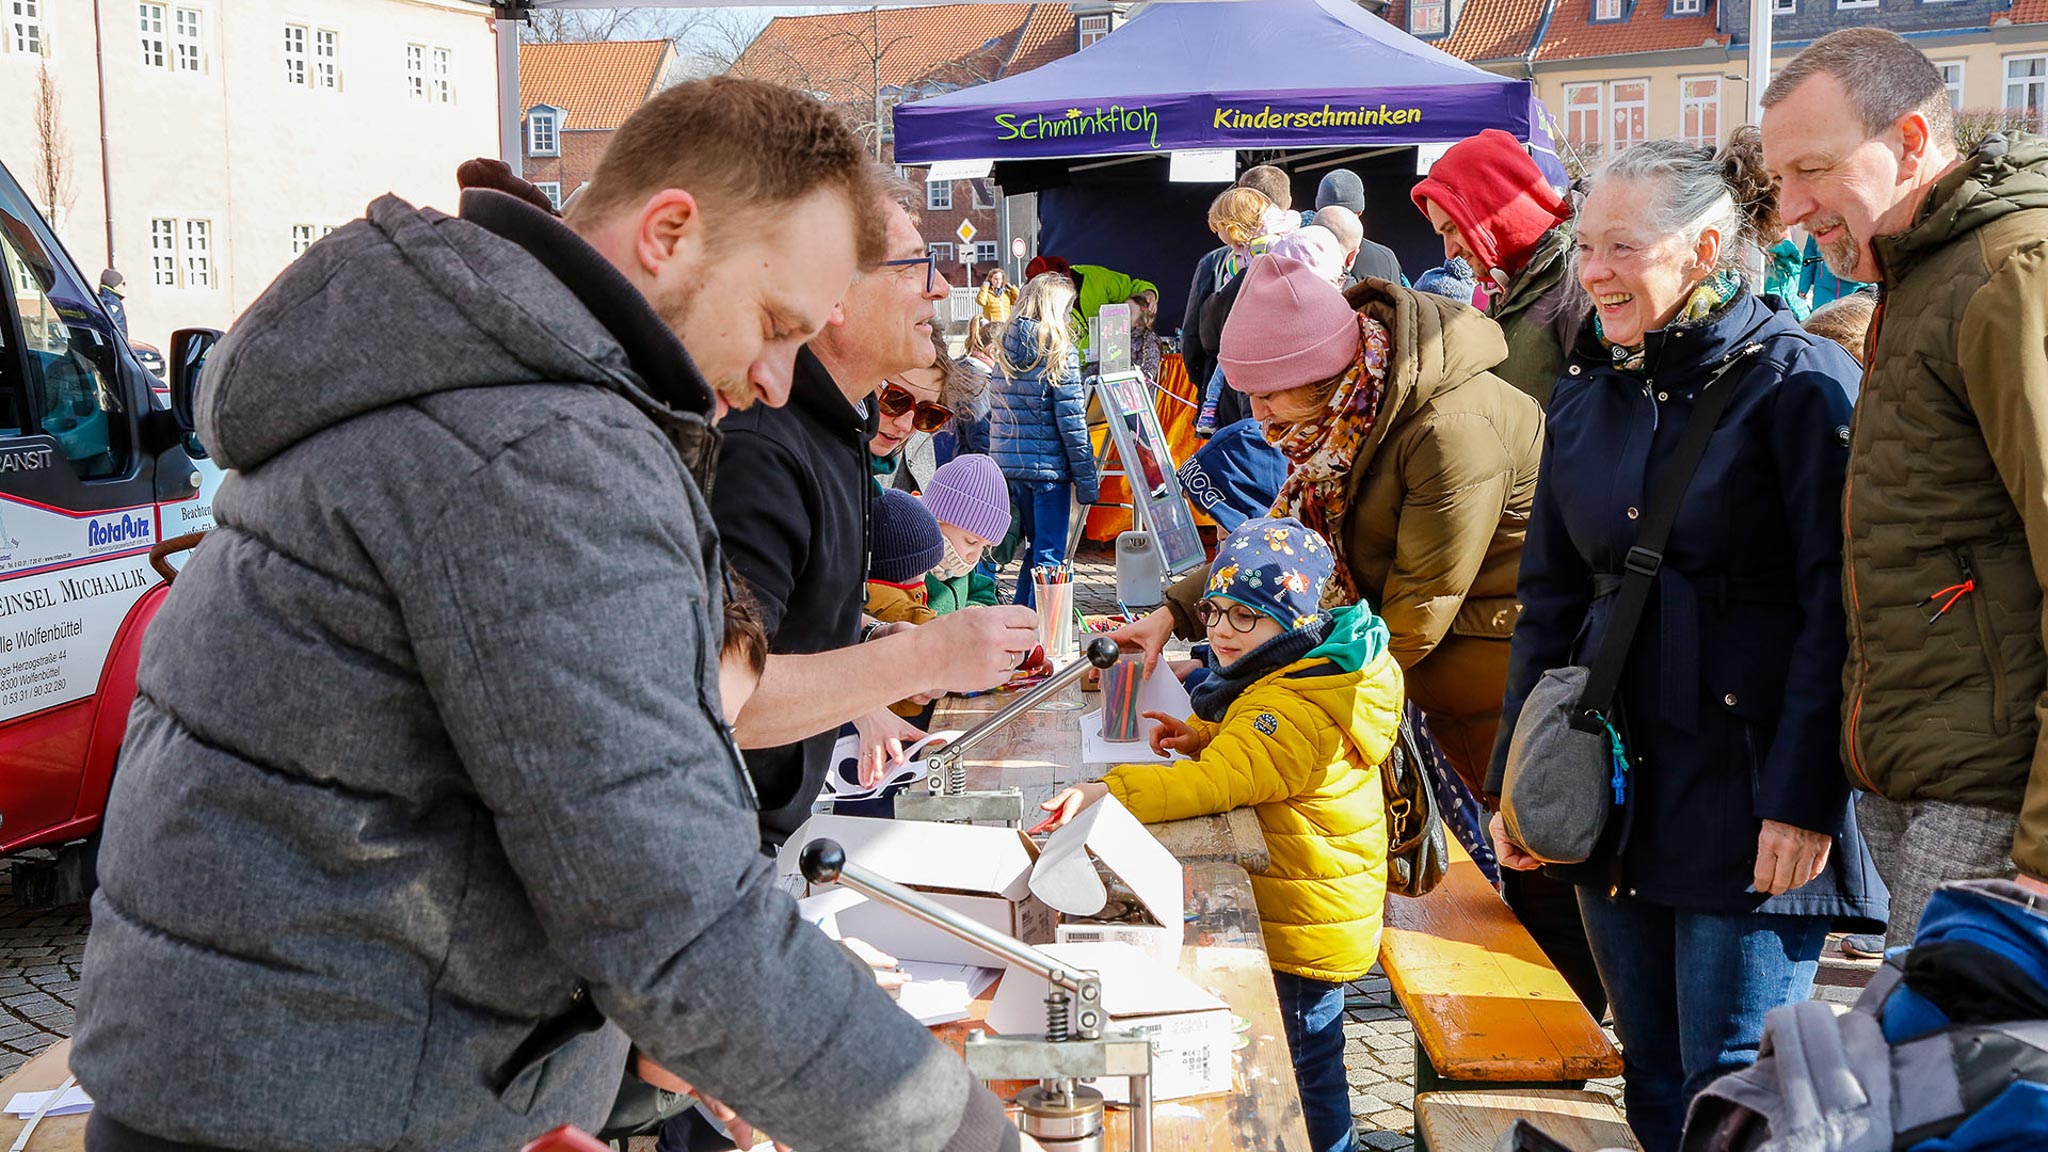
x,y
966,232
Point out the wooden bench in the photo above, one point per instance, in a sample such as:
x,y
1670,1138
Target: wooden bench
x,y
1489,1009
1456,1121
41,1074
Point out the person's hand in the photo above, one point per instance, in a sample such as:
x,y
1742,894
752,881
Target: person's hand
x,y
882,737
1787,857
976,648
888,976
743,1133
1506,851
1069,803
1173,735
1148,634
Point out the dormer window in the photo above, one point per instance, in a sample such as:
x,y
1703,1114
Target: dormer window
x,y
1686,7
544,131
1089,29
1427,17
1606,9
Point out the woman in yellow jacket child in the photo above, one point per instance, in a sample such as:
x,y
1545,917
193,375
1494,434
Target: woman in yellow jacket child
x,y
1300,707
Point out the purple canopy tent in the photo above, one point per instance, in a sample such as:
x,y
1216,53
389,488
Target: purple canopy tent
x,y
1321,80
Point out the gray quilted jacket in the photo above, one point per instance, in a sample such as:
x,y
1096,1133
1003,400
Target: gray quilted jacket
x,y
426,805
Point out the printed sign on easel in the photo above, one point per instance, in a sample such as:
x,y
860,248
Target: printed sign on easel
x,y
1141,445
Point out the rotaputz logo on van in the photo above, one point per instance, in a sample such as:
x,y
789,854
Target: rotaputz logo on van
x,y
127,530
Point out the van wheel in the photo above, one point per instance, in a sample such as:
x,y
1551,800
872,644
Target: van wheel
x,y
69,878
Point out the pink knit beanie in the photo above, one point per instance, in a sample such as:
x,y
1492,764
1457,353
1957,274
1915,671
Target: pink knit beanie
x,y
1289,327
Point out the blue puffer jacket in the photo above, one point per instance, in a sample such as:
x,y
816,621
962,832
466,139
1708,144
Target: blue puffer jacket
x,y
1038,428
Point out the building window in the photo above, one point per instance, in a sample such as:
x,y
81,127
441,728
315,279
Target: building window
x,y
416,72
163,252
940,250
1784,7
1090,29
2026,83
542,139
553,191
327,59
1699,110
1628,102
191,40
152,35
1845,4
1952,79
1606,9
295,70
198,253
25,24
1685,7
444,76
1582,118
985,252
938,195
1426,17
302,239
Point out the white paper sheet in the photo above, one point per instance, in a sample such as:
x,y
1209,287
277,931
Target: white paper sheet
x,y
1161,692
73,1102
839,787
941,993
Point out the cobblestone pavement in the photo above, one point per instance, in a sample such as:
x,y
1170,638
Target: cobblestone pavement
x,y
40,953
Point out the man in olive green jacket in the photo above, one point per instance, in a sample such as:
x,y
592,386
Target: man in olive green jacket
x,y
1946,514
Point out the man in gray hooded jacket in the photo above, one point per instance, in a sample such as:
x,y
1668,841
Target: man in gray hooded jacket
x,y
427,804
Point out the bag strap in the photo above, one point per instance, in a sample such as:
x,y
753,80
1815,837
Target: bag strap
x,y
1647,556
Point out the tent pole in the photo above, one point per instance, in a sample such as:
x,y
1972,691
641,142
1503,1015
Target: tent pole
x,y
1759,57
510,18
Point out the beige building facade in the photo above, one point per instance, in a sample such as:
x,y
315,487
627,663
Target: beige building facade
x,y
237,132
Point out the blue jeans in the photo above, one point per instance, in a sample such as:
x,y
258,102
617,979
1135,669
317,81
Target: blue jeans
x,y
1313,1012
1689,991
1044,510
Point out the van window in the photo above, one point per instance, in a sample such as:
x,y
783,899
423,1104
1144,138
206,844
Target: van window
x,y
71,388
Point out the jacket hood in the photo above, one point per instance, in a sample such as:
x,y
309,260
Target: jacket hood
x,y
400,305
1438,344
1351,657
2007,173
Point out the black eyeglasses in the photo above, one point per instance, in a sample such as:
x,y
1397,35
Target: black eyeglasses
x,y
1242,619
931,269
929,416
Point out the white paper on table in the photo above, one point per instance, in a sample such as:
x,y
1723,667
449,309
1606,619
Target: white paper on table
x,y
1161,692
838,787
73,1102
941,993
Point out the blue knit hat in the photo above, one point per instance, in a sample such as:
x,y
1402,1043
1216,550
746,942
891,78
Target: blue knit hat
x,y
1454,279
907,539
1278,566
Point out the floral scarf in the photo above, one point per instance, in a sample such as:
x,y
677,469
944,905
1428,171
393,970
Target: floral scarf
x,y
1705,300
1322,448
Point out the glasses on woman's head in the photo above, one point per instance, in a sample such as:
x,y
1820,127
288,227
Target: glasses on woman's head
x,y
1242,619
931,269
927,415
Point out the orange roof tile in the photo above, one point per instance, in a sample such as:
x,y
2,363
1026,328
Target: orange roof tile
x,y
1494,29
2028,12
1647,29
598,84
1048,35
834,54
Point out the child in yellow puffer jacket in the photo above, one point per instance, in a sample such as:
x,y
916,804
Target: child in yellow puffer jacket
x,y
1300,708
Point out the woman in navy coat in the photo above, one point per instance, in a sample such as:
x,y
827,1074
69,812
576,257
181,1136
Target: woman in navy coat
x,y
1710,897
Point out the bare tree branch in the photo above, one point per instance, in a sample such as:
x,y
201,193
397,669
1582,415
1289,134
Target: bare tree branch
x,y
52,175
561,26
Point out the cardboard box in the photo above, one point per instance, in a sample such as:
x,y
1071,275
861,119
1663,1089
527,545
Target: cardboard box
x,y
1190,1028
1106,838
982,873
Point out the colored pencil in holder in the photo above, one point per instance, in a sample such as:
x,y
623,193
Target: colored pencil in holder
x,y
1120,683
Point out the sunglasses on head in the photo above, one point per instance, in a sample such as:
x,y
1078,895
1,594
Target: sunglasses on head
x,y
928,415
1242,619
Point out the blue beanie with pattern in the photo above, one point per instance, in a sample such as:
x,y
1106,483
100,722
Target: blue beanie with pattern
x,y
1277,566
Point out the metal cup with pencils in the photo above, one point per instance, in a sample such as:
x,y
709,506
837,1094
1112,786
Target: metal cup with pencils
x,y
1052,591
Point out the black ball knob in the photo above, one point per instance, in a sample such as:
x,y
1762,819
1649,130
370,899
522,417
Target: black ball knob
x,y
821,861
1103,652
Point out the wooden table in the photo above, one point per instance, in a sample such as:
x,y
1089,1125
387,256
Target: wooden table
x,y
41,1074
1223,950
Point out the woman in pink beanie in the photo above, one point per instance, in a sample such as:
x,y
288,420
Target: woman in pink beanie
x,y
1411,457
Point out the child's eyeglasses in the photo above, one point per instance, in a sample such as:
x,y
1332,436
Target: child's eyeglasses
x,y
928,416
1242,619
